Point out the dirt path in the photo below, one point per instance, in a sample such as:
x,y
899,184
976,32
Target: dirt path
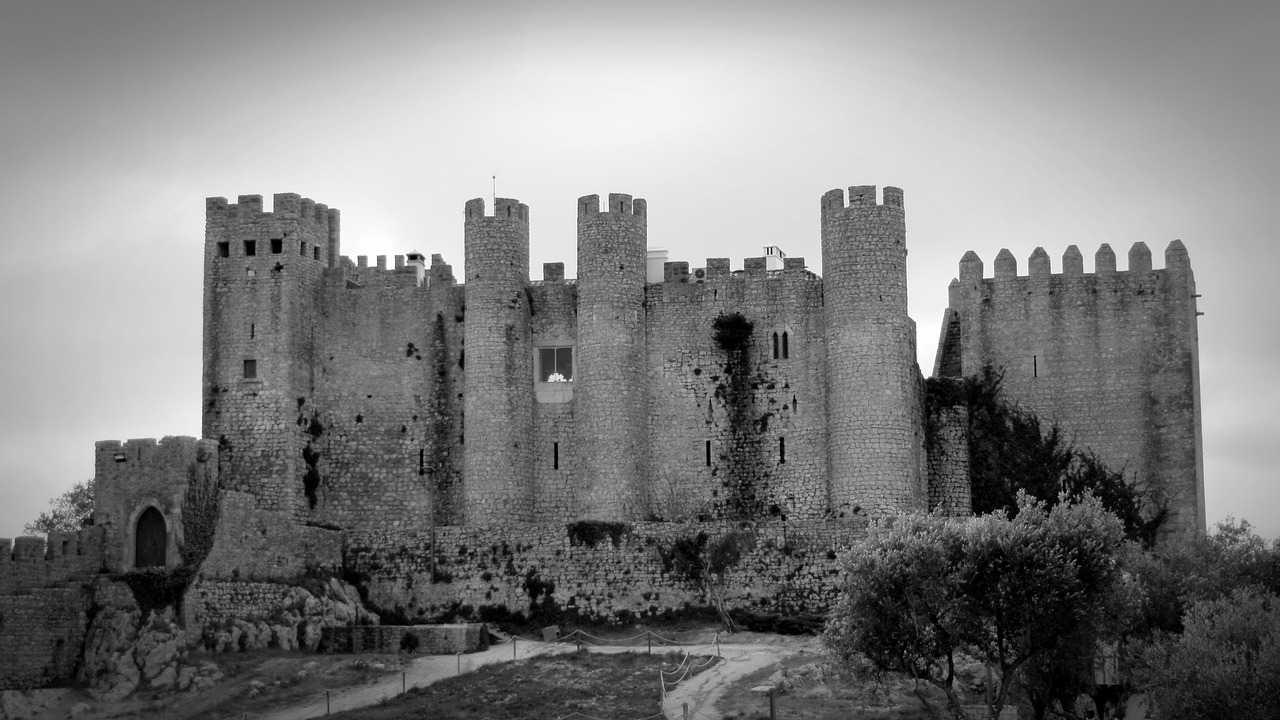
x,y
700,691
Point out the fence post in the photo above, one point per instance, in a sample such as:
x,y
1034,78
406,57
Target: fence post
x,y
513,647
326,702
404,682
773,708
686,711
459,656
649,635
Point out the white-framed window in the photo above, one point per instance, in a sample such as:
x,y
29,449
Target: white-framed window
x,y
555,364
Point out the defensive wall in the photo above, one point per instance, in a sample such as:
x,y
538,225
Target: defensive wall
x,y
1111,356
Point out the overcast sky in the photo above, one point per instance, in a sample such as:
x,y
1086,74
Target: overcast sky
x,y
1007,124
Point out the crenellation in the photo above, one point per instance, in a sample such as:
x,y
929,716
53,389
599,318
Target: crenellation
x,y
1038,264
1006,265
1104,261
1072,262
1139,257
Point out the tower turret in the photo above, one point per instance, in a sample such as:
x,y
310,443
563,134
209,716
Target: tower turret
x,y
498,365
873,415
610,402
261,274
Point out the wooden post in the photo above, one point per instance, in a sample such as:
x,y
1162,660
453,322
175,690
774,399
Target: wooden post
x,y
404,682
326,702
773,707
513,647
686,711
649,636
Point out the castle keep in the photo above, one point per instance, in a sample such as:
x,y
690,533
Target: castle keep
x,y
513,443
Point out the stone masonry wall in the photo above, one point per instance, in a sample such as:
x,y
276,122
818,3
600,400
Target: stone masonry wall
x,y
41,636
252,543
691,410
31,562
614,577
1112,357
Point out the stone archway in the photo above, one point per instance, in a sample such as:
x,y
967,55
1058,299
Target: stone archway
x,y
150,540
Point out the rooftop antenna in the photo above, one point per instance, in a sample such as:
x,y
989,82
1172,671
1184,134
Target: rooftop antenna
x,y
495,187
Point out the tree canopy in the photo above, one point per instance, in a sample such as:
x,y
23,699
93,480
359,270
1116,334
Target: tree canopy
x,y
924,588
68,512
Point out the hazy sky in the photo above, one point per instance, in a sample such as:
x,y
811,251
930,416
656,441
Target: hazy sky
x,y
1007,124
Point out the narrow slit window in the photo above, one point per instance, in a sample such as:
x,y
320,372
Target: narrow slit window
x,y
1035,366
708,452
782,451
277,246
775,346
302,248
224,249
555,456
250,248
252,330
250,369
422,461
785,350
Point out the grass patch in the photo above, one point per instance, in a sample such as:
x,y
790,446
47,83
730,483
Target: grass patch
x,y
822,692
623,685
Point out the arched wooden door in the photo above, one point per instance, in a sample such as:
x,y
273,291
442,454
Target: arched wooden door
x,y
149,540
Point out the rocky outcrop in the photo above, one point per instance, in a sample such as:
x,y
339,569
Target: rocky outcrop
x,y
294,622
127,652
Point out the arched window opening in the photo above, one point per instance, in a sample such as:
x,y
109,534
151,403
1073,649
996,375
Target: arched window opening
x,y
785,352
149,540
775,346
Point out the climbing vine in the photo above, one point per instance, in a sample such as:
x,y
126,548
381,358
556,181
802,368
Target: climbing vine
x,y
744,463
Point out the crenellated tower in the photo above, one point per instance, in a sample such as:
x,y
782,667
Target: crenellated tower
x,y
262,273
610,403
1111,356
873,409
498,366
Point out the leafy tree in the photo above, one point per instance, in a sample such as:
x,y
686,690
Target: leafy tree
x,y
925,588
1011,450
68,512
1225,664
708,562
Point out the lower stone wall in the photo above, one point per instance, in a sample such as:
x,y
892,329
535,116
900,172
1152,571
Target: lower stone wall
x,y
610,572
422,639
41,636
257,544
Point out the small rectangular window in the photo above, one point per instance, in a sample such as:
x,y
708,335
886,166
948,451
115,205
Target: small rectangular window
x,y
250,369
302,248
277,246
708,450
782,451
250,248
315,252
555,456
224,249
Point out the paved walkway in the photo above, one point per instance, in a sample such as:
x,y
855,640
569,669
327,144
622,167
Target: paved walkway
x,y
700,692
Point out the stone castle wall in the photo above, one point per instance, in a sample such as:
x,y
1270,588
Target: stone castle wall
x,y
1111,356
615,574
42,635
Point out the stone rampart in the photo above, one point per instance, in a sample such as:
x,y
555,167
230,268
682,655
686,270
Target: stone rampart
x,y
611,572
252,543
1111,356
39,562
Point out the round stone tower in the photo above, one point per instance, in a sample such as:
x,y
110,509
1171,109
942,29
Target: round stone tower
x,y
610,403
497,366
873,412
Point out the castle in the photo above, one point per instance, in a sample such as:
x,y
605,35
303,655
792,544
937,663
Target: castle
x,y
504,441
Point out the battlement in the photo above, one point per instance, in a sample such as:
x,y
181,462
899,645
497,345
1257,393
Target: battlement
x,y
1038,264
860,196
147,452
284,205
503,208
620,203
35,561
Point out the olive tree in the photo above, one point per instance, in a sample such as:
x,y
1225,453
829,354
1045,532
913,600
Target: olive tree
x,y
924,588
